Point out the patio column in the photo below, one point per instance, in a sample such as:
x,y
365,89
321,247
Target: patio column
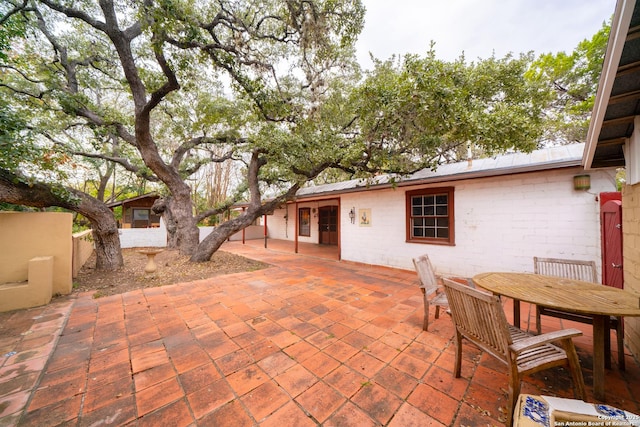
x,y
243,208
295,231
339,230
265,231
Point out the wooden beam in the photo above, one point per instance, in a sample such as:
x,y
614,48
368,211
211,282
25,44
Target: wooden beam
x,y
610,142
619,121
633,33
608,163
625,97
629,68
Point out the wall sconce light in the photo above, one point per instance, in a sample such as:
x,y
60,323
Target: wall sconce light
x,y
582,182
352,215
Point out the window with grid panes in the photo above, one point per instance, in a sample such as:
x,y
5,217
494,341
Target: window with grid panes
x,y
430,216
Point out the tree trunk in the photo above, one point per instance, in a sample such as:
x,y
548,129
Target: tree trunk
x,y
104,226
182,227
160,207
187,231
105,234
220,234
257,208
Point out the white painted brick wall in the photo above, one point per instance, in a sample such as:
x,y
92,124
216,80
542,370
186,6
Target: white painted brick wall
x,y
501,223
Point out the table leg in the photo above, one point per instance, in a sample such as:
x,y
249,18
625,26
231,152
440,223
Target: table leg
x,y
598,356
516,313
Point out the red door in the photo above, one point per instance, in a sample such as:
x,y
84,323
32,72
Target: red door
x,y
611,226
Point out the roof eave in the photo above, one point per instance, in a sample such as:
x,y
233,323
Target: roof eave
x,y
132,199
619,29
438,179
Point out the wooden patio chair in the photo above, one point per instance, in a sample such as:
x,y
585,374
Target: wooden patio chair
x,y
479,317
585,271
431,292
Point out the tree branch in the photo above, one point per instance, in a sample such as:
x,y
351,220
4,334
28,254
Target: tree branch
x,y
75,13
17,8
170,85
181,151
196,167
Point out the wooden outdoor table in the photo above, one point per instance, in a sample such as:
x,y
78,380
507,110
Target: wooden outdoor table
x,y
568,295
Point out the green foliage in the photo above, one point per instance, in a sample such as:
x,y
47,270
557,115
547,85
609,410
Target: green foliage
x,y
424,111
572,80
14,138
11,28
15,208
621,178
78,227
268,77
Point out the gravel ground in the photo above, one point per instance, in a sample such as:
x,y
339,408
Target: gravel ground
x,y
172,268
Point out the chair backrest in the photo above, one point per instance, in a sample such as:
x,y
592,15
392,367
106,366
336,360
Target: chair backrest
x,y
567,268
427,277
479,317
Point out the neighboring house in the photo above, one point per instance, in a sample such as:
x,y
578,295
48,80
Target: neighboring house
x,y
491,214
136,212
614,139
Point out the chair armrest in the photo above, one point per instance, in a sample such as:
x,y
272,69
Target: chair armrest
x,y
536,340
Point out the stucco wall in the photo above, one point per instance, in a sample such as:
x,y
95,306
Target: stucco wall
x,y
26,235
152,237
252,232
631,259
82,250
143,237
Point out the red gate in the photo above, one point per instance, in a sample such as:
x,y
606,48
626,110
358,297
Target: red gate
x,y
611,229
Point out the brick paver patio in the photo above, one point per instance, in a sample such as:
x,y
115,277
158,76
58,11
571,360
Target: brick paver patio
x,y
306,342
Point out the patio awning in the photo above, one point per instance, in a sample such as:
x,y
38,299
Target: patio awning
x,y
618,97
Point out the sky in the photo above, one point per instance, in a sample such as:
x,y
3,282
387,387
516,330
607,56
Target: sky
x,y
478,27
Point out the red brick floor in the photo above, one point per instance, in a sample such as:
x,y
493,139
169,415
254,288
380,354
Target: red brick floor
x,y
308,341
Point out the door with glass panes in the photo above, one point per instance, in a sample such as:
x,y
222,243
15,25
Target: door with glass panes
x,y
328,223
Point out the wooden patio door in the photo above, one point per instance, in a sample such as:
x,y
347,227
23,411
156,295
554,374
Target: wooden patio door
x,y
328,223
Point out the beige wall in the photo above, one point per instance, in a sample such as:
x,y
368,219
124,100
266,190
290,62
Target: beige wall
x,y
82,249
26,235
631,259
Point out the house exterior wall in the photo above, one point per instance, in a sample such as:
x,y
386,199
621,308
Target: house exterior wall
x,y
252,232
631,259
284,228
501,223
144,203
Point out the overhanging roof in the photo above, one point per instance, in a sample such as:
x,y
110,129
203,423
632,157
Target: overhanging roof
x,y
549,158
618,97
133,199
